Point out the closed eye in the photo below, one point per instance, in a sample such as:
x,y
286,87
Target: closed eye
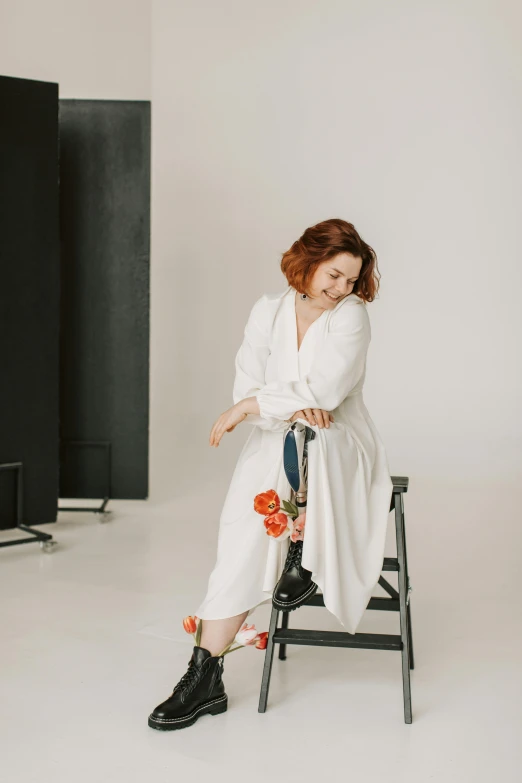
x,y
334,277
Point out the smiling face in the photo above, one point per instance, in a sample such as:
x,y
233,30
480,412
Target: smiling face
x,y
334,279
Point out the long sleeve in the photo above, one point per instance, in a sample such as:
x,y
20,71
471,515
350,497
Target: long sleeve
x,y
250,364
336,369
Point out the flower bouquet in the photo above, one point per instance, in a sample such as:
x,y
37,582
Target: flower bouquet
x,y
281,519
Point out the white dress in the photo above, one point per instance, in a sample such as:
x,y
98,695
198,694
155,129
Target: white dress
x,y
349,484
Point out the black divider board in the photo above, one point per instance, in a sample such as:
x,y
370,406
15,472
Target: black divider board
x,y
29,297
104,343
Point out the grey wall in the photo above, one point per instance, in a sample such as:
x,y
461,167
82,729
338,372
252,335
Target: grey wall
x,y
105,266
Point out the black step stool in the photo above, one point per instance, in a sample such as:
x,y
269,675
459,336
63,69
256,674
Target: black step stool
x,y
397,602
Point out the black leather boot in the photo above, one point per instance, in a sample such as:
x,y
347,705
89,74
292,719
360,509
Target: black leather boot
x,y
200,691
295,586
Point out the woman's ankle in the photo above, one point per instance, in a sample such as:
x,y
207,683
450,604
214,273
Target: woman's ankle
x,y
223,641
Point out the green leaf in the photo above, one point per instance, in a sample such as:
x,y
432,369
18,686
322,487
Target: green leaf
x,y
290,508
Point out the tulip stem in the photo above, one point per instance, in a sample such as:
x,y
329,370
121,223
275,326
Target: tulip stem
x,y
231,649
197,635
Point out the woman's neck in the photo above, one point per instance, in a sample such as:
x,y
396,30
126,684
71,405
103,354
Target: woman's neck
x,y
306,310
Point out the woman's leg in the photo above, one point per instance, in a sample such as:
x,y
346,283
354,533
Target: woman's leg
x,y
217,634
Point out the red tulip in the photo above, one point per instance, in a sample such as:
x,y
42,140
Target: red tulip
x,y
276,524
262,640
267,503
189,623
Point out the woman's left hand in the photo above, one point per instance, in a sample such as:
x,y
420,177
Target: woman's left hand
x,y
314,416
226,423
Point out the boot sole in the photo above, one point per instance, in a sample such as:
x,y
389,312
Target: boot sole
x,y
289,606
215,707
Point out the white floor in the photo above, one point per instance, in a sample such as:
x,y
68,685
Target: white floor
x,y
92,641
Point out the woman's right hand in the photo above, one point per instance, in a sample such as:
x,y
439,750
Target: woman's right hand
x,y
227,422
314,416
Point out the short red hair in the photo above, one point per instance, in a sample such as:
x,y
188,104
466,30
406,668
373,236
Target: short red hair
x,y
321,243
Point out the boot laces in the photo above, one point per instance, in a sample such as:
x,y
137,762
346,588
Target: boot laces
x,y
193,675
190,679
293,558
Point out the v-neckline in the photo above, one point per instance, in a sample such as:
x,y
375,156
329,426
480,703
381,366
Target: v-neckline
x,y
298,347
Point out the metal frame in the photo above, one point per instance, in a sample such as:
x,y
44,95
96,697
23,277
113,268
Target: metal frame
x,y
45,539
397,602
107,445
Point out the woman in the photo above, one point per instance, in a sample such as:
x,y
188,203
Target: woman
x,y
303,357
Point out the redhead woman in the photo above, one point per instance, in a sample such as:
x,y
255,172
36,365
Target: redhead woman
x,y
303,357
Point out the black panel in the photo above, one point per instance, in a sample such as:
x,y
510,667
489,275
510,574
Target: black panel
x,y
105,232
29,296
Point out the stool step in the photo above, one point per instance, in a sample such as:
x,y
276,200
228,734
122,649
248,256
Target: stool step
x,y
369,641
375,602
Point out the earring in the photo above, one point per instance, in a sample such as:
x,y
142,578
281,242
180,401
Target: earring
x,y
303,296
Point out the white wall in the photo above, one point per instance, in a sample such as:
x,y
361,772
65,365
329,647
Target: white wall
x,y
93,49
403,118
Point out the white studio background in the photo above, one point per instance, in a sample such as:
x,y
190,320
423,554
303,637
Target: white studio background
x,y
94,49
403,118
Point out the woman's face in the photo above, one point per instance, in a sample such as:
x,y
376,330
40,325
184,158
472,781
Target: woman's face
x,y
334,279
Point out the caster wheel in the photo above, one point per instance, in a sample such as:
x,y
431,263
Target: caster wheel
x,y
48,546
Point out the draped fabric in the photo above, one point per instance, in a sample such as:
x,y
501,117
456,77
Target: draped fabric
x,y
349,484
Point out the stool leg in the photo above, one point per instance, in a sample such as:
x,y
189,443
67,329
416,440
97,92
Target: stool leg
x,y
282,647
403,610
269,655
410,632
412,665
